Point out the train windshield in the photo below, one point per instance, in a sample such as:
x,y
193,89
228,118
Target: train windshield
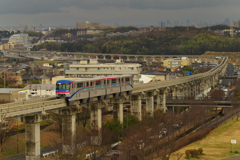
x,y
63,86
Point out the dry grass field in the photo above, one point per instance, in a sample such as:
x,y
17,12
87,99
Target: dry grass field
x,y
216,144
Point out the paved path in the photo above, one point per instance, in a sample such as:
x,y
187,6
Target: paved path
x,y
235,157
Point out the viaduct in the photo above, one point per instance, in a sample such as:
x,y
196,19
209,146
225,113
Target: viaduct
x,y
47,55
33,112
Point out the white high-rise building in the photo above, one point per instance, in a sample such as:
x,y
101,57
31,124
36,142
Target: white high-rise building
x,y
18,38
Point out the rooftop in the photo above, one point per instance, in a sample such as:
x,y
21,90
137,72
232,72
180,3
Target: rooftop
x,y
8,90
42,86
156,72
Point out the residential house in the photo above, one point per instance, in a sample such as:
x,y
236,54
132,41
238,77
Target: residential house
x,y
160,74
27,78
14,80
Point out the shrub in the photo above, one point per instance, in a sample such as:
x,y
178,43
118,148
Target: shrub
x,y
200,150
187,153
194,153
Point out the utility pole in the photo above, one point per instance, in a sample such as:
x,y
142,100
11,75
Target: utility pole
x,y
4,76
17,137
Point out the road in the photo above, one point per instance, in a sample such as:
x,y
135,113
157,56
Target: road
x,y
230,70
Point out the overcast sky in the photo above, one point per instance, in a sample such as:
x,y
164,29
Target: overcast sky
x,y
109,12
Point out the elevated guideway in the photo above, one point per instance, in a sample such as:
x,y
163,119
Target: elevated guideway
x,y
34,111
65,56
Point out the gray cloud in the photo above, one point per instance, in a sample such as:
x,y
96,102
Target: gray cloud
x,y
54,6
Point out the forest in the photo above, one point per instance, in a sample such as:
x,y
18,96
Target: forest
x,y
171,42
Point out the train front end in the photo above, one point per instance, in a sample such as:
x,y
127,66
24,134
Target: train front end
x,y
63,89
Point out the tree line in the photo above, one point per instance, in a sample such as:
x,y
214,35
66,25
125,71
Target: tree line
x,y
171,42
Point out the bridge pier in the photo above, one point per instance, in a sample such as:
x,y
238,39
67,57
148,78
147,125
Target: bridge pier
x,y
136,106
118,109
185,92
68,131
96,123
174,93
32,136
161,101
150,103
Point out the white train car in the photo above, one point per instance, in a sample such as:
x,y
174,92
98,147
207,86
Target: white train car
x,y
94,89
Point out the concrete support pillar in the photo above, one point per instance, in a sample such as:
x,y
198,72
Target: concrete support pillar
x,y
112,58
68,132
161,101
175,93
153,59
193,60
128,58
136,106
159,98
195,90
180,93
163,105
185,92
96,123
104,57
118,109
32,138
162,59
149,103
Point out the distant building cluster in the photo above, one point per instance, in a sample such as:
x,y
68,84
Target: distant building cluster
x,y
16,41
88,25
150,29
91,25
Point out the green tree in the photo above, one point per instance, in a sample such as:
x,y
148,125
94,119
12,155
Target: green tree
x,y
36,82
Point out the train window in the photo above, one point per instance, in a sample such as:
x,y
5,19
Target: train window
x,y
98,83
108,81
87,84
114,81
127,79
79,85
104,81
122,80
67,86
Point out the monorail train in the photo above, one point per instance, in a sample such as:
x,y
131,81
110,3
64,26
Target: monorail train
x,y
94,89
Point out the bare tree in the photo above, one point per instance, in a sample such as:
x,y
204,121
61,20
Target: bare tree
x,y
58,120
83,116
6,126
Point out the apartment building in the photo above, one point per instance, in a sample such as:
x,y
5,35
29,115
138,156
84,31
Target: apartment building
x,y
93,68
176,62
18,38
